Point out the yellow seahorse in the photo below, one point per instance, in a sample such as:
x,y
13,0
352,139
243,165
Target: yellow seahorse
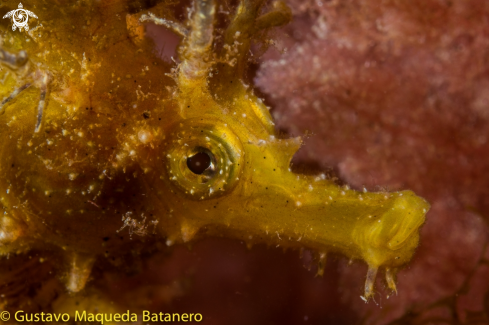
x,y
107,149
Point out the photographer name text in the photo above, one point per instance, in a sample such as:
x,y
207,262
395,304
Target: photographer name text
x,y
101,318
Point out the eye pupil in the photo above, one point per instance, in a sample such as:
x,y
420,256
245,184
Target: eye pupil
x,y
198,163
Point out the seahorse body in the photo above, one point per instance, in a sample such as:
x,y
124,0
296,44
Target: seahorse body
x,y
110,171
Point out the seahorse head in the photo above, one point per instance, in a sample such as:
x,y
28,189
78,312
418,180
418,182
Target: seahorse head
x,y
171,153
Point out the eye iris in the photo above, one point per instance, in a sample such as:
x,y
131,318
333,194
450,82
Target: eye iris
x,y
198,163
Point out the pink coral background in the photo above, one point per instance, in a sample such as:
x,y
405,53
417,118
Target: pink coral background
x,y
393,94
396,95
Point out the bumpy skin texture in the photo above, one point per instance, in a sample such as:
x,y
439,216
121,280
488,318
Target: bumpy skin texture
x,y
101,176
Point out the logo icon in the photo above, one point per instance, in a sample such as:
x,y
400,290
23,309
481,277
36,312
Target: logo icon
x,y
20,17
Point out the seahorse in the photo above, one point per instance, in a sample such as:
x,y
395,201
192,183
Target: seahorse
x,y
127,150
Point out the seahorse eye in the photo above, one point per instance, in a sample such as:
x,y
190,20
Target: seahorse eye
x,y
203,159
199,163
